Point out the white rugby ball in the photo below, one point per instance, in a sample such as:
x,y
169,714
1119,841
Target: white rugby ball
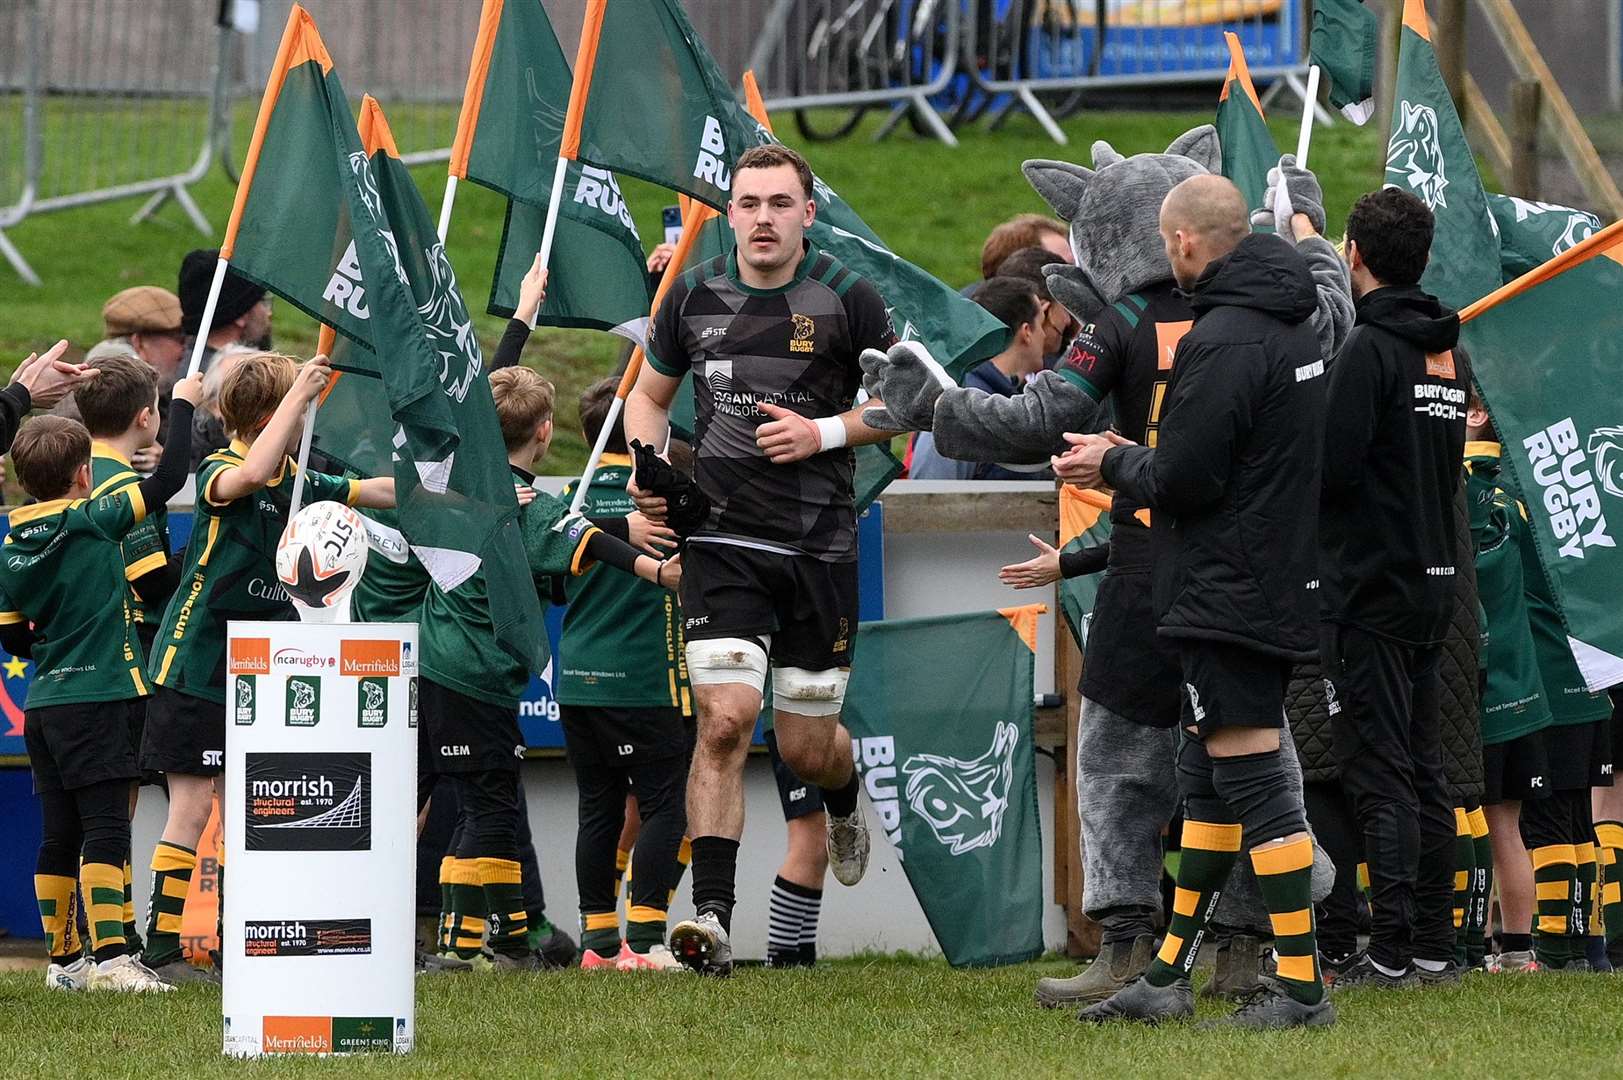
x,y
322,554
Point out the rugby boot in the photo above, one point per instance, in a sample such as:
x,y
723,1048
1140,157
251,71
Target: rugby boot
x,y
70,977
657,958
702,944
525,961
592,960
1518,962
554,946
1270,1006
1449,976
1363,972
1237,969
177,972
1143,1003
848,846
126,974
1117,964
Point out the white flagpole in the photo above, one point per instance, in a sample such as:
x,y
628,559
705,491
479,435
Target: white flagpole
x,y
445,206
304,460
1309,99
208,319
551,228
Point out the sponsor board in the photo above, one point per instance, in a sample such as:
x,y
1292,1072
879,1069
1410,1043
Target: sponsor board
x,y
328,1034
307,937
250,656
292,658
308,801
369,657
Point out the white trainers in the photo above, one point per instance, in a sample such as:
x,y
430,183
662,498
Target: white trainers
x,y
701,944
848,846
70,977
658,958
126,974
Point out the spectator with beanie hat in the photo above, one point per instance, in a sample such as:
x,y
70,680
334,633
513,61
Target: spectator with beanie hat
x,y
241,316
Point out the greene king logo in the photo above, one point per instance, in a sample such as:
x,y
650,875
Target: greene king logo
x,y
1414,157
244,709
1567,486
372,706
303,701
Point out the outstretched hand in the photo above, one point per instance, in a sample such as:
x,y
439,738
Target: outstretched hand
x,y
48,378
1035,572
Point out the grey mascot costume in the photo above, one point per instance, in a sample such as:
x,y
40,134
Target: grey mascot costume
x,y
1122,291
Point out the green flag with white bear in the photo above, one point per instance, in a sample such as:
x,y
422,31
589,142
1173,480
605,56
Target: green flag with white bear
x,y
1428,156
945,753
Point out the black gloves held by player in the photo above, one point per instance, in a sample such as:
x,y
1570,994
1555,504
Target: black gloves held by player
x,y
686,507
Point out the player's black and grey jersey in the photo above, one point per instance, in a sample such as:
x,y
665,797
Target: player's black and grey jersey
x,y
795,346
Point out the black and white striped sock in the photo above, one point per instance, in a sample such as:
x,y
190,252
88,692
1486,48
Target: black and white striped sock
x,y
793,914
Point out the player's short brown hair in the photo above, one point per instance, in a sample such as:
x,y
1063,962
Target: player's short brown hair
x,y
111,401
523,403
46,454
595,402
252,390
1020,231
771,156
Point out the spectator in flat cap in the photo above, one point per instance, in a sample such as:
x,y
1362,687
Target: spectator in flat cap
x,y
242,316
143,321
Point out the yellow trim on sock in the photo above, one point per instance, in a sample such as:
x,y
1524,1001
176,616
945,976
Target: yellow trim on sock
x,y
1184,901
1170,947
1462,823
129,895
1208,837
1288,858
1462,880
1610,834
1586,852
168,923
470,924
622,859
176,888
1552,890
447,868
1551,854
1298,968
498,871
641,913
1479,823
168,858
1292,923
1363,875
600,920
1611,893
59,888
684,853
464,872
1552,924
1459,917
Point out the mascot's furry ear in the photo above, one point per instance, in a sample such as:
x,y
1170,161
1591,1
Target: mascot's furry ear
x,y
1200,145
1105,155
1071,286
1060,183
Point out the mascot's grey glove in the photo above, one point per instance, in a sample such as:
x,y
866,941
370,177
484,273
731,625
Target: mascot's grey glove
x,y
1291,189
908,381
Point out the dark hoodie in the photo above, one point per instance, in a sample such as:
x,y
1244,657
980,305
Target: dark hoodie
x,y
1234,476
1396,433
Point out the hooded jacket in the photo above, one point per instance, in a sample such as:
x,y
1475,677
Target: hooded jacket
x,y
1233,480
1395,405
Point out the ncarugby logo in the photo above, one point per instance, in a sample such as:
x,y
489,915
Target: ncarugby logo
x,y
1606,451
963,802
1414,157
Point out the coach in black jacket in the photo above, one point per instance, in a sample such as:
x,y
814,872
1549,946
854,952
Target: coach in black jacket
x,y
1231,482
1397,396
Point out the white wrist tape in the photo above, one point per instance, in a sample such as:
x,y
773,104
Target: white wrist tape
x,y
830,432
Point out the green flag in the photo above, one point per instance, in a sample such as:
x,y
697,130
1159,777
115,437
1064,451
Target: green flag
x,y
379,275
945,753
507,140
1533,233
656,106
1428,155
1546,351
1248,146
1345,37
1084,522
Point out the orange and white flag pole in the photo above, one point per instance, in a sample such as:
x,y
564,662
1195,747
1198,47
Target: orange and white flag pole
x,y
473,98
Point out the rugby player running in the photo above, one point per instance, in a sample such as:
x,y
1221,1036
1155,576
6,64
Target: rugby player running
x,y
771,332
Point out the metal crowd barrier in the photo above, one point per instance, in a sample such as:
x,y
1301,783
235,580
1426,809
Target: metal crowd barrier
x,y
105,99
859,54
1022,47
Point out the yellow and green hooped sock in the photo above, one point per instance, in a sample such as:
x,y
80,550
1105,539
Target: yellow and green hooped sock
x,y
645,927
1464,875
172,869
132,935
1609,839
466,916
1555,879
1209,853
103,885
600,932
502,882
1285,878
1481,887
56,895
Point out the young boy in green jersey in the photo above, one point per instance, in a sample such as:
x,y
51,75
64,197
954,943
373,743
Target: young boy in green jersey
x,y
119,407
61,567
228,573
470,689
625,706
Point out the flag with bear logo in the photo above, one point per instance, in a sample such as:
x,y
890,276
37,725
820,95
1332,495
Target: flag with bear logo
x,y
650,101
1546,350
333,224
1533,233
507,140
1429,157
945,755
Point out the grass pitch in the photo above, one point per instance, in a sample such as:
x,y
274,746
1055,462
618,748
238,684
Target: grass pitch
x,y
892,1017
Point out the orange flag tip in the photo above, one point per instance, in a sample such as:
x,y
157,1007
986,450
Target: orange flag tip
x,y
374,128
1239,71
307,44
1414,17
1023,621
